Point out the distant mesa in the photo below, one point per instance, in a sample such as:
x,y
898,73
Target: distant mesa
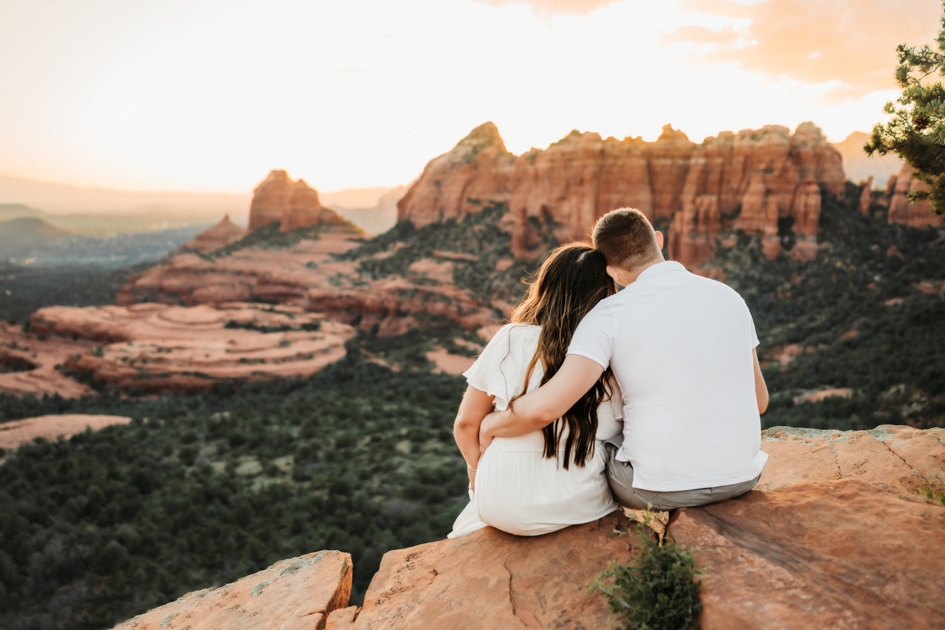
x,y
291,204
220,235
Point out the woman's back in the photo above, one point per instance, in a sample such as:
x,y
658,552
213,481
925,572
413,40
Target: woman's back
x,y
518,490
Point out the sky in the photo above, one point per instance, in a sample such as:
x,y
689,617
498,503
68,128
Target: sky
x,y
209,95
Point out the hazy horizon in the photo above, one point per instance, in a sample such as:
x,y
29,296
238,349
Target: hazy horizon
x,y
138,96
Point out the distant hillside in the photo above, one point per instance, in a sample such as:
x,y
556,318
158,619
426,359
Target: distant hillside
x,y
56,198
354,198
377,218
35,241
23,232
858,166
16,210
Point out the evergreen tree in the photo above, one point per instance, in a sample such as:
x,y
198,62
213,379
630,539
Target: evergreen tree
x,y
917,130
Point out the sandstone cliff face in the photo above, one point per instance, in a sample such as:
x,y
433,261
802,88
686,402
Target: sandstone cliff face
x,y
901,210
293,204
833,536
220,235
478,168
734,181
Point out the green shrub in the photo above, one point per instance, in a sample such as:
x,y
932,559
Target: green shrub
x,y
658,591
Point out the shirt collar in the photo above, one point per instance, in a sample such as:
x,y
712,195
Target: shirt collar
x,y
658,268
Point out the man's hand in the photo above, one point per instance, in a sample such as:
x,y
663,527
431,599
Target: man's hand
x,y
487,428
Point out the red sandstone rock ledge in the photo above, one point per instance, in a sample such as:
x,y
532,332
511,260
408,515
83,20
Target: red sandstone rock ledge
x,y
157,347
833,536
294,594
17,432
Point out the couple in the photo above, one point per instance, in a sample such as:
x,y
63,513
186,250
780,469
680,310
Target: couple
x,y
652,395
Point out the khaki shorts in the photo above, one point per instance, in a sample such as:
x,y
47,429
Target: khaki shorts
x,y
620,478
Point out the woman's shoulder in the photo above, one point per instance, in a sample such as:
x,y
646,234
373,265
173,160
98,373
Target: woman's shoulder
x,y
516,332
512,342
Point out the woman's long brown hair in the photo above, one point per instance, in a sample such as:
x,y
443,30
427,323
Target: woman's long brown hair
x,y
569,284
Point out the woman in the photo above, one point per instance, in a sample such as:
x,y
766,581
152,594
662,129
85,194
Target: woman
x,y
547,480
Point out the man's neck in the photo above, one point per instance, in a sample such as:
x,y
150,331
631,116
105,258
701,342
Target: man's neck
x,y
626,278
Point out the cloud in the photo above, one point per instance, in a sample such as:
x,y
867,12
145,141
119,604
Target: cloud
x,y
557,7
851,43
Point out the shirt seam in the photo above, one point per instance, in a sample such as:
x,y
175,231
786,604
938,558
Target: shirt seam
x,y
646,275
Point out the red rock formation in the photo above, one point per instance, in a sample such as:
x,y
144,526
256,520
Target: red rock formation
x,y
693,232
455,183
866,197
902,210
220,235
294,594
51,427
293,204
156,347
490,579
820,554
806,210
754,176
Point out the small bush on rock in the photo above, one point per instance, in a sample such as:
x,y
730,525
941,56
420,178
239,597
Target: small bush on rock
x,y
658,591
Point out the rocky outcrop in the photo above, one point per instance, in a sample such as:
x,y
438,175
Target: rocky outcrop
x,y
157,347
292,204
455,183
495,580
18,432
733,181
902,210
37,361
294,594
866,196
213,238
833,536
820,554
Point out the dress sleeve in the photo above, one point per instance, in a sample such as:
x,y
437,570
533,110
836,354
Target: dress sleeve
x,y
594,337
491,372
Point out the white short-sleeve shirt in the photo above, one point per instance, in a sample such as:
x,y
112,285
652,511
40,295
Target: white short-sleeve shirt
x,y
681,350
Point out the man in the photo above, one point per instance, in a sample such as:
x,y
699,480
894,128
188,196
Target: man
x,y
683,350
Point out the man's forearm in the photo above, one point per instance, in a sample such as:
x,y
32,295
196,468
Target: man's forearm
x,y
539,408
524,416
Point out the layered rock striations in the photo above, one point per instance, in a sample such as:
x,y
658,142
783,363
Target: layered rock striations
x,y
746,181
156,347
902,210
291,204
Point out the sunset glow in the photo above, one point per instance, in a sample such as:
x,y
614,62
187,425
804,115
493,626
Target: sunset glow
x,y
211,95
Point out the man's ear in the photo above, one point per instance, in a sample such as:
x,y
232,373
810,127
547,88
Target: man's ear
x,y
612,272
659,239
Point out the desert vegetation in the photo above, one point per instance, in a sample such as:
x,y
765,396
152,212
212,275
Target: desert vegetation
x,y
203,489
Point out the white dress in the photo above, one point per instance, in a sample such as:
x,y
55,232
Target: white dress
x,y
518,489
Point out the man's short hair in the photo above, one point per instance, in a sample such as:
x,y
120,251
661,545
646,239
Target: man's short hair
x,y
626,239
